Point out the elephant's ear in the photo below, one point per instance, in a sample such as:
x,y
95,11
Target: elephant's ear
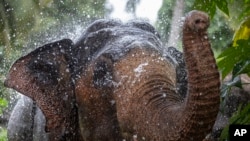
x,y
39,68
45,76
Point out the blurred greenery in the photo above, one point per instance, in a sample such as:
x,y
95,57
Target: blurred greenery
x,y
210,6
236,59
164,19
3,134
3,103
22,21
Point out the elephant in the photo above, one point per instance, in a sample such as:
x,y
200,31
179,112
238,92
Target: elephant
x,y
27,122
119,82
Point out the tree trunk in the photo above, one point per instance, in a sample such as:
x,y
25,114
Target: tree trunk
x,y
175,24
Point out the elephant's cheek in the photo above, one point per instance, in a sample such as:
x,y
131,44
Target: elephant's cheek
x,y
141,76
80,89
87,108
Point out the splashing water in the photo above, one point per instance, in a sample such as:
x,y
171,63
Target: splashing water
x,y
140,69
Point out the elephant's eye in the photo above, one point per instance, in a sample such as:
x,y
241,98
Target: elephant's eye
x,y
102,74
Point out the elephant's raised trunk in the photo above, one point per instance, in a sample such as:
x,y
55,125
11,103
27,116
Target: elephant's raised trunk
x,y
202,103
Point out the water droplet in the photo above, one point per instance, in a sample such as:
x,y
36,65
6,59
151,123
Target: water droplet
x,y
135,136
164,95
112,102
201,122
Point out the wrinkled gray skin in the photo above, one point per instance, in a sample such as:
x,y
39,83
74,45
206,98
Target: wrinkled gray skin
x,y
27,122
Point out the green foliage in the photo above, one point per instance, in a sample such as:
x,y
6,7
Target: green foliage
x,y
3,134
243,31
164,18
235,58
241,117
67,10
3,104
209,6
239,10
220,34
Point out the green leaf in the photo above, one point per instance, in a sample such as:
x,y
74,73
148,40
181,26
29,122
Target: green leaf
x,y
245,12
241,67
228,59
3,134
207,6
241,116
223,6
243,32
3,104
224,134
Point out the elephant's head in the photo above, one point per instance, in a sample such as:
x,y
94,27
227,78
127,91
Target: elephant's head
x,y
123,84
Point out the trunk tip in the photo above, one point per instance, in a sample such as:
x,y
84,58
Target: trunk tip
x,y
197,21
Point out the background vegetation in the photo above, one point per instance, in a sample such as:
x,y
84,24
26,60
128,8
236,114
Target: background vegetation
x,y
25,24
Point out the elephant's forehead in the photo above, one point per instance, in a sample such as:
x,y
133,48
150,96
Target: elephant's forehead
x,y
141,64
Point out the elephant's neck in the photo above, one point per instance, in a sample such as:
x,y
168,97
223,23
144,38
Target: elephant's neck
x,y
202,102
